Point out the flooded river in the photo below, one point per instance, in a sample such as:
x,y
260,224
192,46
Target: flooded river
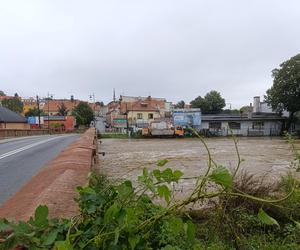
x,y
126,158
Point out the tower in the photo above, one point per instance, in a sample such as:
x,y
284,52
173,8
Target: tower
x,y
114,95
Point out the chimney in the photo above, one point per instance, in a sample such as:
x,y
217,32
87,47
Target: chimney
x,y
256,104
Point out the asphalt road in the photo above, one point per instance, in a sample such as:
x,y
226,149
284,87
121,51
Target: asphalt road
x,y
21,158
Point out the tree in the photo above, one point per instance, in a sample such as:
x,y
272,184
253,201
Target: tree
x,y
2,93
14,104
83,114
180,105
246,109
285,91
231,111
62,110
34,112
212,103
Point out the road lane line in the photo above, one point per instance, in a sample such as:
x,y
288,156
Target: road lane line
x,y
27,147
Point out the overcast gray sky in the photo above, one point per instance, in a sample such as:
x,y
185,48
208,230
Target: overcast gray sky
x,y
177,49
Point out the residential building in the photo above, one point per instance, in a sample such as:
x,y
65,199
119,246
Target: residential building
x,y
142,110
2,98
29,103
12,120
113,112
53,106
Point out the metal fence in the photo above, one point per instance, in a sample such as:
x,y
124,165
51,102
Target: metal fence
x,y
241,132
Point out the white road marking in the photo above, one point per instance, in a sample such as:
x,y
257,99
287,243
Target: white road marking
x,y
26,147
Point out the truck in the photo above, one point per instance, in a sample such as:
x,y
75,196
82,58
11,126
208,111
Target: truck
x,y
162,129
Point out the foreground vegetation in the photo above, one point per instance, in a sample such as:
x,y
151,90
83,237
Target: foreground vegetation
x,y
238,211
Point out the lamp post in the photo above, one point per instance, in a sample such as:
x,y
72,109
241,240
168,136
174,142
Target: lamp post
x,y
92,97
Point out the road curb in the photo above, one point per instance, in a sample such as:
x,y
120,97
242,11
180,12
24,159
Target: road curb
x,y
55,185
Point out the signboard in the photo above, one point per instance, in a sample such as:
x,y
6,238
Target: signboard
x,y
187,117
119,123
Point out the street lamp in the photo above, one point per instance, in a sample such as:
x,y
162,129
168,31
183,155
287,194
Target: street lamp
x,y
92,98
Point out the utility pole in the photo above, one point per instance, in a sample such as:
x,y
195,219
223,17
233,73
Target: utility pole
x,y
127,123
48,100
38,107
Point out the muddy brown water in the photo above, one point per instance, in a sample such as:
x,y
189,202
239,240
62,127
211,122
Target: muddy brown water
x,y
268,157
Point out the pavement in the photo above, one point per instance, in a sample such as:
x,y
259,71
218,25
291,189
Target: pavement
x,y
22,158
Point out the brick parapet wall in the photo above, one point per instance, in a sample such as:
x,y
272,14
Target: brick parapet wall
x,y
55,185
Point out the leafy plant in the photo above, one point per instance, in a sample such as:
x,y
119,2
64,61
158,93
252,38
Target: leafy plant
x,y
144,215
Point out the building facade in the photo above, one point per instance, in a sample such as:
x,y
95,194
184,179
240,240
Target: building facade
x,y
243,125
12,120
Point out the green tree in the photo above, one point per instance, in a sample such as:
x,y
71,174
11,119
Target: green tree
x,y
83,114
180,105
14,104
62,110
212,103
285,92
231,111
246,109
34,112
2,93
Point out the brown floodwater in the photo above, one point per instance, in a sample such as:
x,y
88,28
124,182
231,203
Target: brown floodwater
x,y
269,157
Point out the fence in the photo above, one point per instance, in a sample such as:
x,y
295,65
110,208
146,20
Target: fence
x,y
241,132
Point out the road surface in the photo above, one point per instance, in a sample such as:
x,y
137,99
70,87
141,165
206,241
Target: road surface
x,y
21,158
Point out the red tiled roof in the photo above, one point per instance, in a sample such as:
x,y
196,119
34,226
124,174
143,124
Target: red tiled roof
x,y
146,104
55,104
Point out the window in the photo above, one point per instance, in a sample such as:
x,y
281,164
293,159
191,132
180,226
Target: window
x,y
234,125
150,116
214,125
140,115
258,125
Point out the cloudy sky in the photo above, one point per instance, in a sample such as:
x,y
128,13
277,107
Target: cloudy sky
x,y
165,48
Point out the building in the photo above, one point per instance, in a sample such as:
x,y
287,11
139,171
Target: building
x,y
29,103
36,122
243,125
12,120
54,105
63,123
264,108
140,111
263,121
2,98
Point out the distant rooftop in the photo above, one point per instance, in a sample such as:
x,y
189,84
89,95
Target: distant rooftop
x,y
9,116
